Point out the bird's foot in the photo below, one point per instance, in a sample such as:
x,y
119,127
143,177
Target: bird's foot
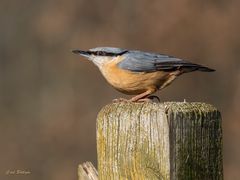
x,y
120,100
154,98
144,100
149,99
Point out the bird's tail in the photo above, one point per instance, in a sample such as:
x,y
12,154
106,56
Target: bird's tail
x,y
204,69
195,67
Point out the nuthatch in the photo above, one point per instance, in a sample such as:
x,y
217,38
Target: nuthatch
x,y
138,73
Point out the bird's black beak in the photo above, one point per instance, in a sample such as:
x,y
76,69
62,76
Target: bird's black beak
x,y
82,53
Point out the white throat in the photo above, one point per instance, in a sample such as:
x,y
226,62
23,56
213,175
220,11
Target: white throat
x,y
101,60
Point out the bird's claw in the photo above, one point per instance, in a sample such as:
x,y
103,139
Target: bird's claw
x,y
147,99
157,99
150,99
144,100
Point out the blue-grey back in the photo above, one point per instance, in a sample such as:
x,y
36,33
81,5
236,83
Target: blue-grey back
x,y
139,61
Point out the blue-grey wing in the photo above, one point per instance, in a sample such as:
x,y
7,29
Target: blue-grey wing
x,y
138,61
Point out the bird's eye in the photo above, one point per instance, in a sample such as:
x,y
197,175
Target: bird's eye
x,y
100,53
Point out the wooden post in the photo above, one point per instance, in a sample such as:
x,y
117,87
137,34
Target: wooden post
x,y
87,171
174,140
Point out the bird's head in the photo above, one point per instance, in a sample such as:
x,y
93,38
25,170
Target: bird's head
x,y
101,55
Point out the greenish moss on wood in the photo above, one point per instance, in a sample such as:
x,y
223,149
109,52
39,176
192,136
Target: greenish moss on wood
x,y
172,140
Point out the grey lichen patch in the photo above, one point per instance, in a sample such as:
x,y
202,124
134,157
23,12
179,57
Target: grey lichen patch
x,y
189,106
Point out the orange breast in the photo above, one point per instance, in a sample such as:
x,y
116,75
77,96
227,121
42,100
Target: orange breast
x,y
132,82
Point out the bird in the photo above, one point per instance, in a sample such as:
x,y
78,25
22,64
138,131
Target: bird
x,y
139,73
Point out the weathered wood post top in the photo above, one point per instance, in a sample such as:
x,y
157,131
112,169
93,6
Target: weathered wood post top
x,y
173,140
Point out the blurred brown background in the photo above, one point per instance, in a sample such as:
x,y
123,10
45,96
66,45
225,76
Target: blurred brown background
x,y
49,97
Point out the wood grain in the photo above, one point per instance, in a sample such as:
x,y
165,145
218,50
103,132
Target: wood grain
x,y
159,141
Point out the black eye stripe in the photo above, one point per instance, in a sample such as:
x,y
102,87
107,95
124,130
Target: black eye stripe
x,y
104,53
